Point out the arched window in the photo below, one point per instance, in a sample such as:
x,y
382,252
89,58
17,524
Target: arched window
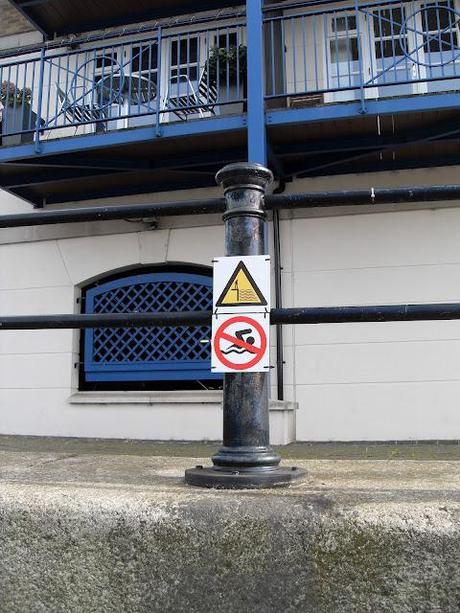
x,y
150,357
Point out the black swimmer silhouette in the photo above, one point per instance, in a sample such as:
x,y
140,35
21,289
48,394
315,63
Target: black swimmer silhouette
x,y
240,334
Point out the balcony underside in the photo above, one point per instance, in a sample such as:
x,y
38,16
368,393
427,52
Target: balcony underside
x,y
366,143
125,162
59,17
187,155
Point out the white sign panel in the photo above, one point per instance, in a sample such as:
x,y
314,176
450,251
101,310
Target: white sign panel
x,y
242,284
241,314
240,343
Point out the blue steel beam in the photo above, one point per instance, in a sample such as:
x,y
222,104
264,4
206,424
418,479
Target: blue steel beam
x,y
123,137
257,139
347,110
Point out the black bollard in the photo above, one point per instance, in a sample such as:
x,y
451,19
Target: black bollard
x,y
245,460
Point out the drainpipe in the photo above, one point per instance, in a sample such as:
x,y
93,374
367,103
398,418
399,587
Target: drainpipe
x,y
278,305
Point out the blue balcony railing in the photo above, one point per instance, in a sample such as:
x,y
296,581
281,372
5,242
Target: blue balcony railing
x,y
168,77
364,50
314,54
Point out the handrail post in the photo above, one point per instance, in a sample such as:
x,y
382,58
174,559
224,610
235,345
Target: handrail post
x,y
362,93
159,78
246,459
40,101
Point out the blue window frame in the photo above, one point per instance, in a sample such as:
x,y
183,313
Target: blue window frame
x,y
150,353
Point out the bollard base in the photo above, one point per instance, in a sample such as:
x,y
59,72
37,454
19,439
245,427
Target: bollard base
x,y
243,479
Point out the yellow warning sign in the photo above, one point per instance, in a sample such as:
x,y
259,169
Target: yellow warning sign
x,y
241,290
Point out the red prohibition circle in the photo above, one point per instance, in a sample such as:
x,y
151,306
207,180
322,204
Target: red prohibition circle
x,y
260,350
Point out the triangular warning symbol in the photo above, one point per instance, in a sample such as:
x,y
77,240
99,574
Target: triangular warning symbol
x,y
241,290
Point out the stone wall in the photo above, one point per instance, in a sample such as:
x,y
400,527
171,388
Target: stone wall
x,y
12,21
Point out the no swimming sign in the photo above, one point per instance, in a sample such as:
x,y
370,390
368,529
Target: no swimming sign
x,y
241,314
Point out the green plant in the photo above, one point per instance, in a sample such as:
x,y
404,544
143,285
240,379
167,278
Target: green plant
x,y
228,64
11,95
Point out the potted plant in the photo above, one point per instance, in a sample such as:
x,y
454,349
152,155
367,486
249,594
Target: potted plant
x,y
227,68
18,121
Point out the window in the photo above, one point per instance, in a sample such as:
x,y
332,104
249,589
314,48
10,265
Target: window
x,y
184,57
390,63
142,84
150,357
144,72
105,64
227,40
387,33
440,25
343,70
344,39
144,59
106,75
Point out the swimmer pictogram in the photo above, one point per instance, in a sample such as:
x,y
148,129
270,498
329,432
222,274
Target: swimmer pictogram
x,y
240,343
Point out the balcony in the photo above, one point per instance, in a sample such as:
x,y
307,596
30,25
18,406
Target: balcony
x,y
150,109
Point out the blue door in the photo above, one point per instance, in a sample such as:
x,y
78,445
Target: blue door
x,y
150,353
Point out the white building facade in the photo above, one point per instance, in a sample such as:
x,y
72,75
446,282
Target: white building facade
x,y
342,382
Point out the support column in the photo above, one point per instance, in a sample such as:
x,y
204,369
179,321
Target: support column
x,y
257,137
245,460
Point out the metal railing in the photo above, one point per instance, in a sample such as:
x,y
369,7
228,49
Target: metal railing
x,y
364,50
169,76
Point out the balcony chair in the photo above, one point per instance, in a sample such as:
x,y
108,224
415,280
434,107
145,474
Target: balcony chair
x,y
82,113
184,99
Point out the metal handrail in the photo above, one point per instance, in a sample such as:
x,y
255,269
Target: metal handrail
x,y
295,315
308,200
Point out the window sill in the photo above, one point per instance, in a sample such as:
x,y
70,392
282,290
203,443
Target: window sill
x,y
165,397
193,405
151,398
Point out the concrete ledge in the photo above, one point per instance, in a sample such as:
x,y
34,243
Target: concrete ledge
x,y
83,533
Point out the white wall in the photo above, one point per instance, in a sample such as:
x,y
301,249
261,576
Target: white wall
x,y
384,380
37,369
352,381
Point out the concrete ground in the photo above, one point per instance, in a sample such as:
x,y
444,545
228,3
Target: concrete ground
x,y
110,526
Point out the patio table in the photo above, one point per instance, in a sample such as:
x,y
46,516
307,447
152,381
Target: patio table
x,y
127,90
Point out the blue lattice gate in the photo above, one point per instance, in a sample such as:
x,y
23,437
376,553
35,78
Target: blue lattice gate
x,y
149,354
